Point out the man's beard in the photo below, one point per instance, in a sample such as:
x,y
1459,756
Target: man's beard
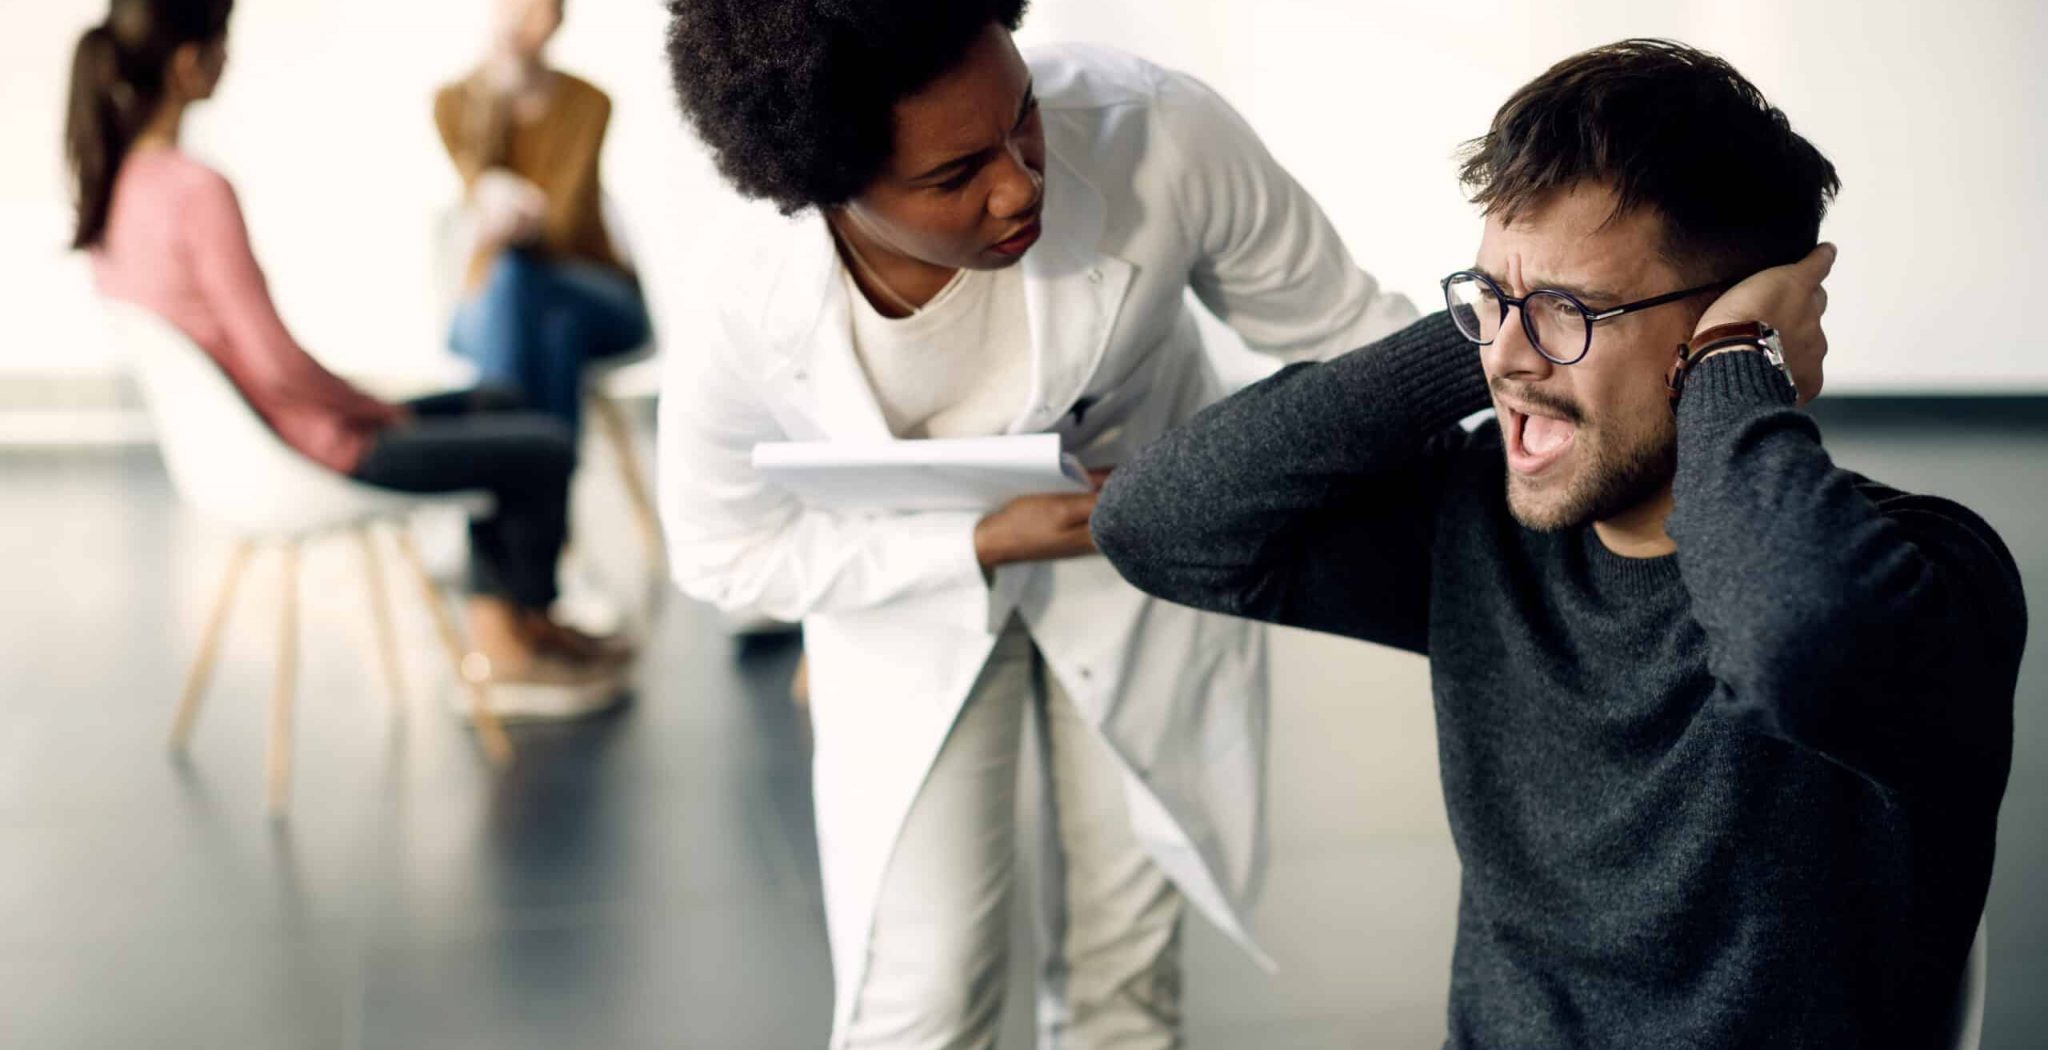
x,y
1611,482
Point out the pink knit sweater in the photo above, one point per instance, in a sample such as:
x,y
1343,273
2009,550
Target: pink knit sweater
x,y
175,243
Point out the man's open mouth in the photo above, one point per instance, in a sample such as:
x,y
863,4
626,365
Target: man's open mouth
x,y
1535,440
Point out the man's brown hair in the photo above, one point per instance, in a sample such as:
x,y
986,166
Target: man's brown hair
x,y
1670,128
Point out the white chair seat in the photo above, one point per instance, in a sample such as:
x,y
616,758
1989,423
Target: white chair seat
x,y
227,462
631,376
1969,1021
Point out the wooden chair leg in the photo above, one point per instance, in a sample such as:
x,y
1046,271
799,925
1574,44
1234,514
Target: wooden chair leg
x,y
619,434
489,731
380,613
800,683
278,757
209,647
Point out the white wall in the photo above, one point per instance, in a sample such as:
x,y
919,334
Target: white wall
x,y
1936,115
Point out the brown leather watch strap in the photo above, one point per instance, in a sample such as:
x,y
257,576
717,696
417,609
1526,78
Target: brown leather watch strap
x,y
1739,331
1674,380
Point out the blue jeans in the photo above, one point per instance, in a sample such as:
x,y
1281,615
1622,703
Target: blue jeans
x,y
534,324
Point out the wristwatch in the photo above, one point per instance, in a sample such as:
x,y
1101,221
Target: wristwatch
x,y
1752,335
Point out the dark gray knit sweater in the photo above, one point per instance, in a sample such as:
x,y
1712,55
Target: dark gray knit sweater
x,y
1739,796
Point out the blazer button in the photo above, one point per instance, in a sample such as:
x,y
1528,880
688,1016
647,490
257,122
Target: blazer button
x,y
1095,277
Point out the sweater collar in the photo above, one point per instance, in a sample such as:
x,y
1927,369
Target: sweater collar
x,y
1630,576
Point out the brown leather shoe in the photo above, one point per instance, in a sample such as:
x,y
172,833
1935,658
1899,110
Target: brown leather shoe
x,y
542,688
551,637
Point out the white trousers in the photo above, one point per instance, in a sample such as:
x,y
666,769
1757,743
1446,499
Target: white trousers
x,y
1109,920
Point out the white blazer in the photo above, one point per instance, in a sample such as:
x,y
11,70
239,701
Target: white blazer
x,y
1153,186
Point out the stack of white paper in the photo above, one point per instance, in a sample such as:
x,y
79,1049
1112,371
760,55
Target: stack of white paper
x,y
978,474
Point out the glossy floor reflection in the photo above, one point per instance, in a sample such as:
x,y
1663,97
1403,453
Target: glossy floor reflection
x,y
649,879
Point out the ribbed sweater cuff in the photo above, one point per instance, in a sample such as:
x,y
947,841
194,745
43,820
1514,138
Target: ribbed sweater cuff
x,y
1730,383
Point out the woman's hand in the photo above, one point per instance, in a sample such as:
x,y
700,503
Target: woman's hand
x,y
509,209
1790,299
1038,528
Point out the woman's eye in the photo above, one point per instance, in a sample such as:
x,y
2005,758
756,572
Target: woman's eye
x,y
956,183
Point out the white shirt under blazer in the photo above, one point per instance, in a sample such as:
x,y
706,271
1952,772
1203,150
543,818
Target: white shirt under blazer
x,y
1153,186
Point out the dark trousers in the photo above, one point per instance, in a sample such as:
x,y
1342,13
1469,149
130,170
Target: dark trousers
x,y
482,440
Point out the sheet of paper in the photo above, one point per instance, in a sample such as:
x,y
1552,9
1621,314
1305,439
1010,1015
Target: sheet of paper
x,y
977,474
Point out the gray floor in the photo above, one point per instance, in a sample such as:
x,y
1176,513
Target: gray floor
x,y
649,879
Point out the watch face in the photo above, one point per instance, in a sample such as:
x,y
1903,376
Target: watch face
x,y
1774,352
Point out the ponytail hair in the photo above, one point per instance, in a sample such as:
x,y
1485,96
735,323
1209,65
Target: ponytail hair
x,y
117,83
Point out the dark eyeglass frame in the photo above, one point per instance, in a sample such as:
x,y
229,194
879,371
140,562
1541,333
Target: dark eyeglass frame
x,y
1589,315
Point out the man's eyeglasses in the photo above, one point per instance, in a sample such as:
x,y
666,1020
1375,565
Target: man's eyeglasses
x,y
1556,322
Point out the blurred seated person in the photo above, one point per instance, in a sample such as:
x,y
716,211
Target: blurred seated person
x,y
165,232
547,291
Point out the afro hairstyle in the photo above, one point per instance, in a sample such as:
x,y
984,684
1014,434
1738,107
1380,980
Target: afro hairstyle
x,y
796,98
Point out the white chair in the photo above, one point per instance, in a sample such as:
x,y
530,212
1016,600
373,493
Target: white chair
x,y
228,464
608,384
1969,1024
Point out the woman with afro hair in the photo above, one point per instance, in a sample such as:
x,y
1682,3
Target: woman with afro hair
x,y
980,243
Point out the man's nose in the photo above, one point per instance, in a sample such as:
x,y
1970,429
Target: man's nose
x,y
1512,354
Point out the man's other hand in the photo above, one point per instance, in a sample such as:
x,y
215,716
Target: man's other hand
x,y
1790,299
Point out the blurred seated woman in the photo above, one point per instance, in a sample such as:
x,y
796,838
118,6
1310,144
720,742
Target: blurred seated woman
x,y
165,232
547,291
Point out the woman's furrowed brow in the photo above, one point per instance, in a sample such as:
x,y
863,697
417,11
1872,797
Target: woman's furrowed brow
x,y
978,157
